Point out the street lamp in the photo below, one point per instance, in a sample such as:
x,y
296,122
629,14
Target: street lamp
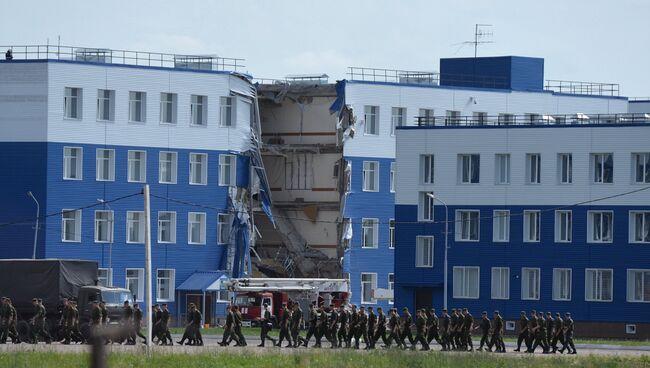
x,y
110,245
38,211
434,198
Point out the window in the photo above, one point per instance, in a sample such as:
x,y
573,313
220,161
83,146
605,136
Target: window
x,y
453,117
426,169
426,116
168,108
600,226
368,286
501,226
71,225
227,170
530,281
105,105
105,165
137,107
371,117
638,286
72,103
226,112
392,177
135,227
137,167
166,283
135,282
470,166
198,110
369,232
167,166
196,228
505,119
426,206
598,285
500,283
642,168
562,284
603,165
533,118
224,221
103,226
531,226
466,282
391,233
467,225
398,118
298,171
370,176
502,161
640,227
563,226
105,277
198,168
72,163
391,286
565,162
479,117
424,251
166,227
533,168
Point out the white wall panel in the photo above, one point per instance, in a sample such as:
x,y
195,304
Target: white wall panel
x,y
23,102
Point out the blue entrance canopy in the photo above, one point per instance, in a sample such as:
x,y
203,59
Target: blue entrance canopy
x,y
202,280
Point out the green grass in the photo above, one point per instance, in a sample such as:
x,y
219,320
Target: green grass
x,y
317,359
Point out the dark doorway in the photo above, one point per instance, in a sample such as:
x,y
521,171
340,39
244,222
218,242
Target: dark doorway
x,y
423,298
197,299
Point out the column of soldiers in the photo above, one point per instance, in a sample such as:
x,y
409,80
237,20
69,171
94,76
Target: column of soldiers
x,y
538,331
8,317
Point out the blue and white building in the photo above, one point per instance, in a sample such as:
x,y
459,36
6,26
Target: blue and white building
x,y
373,103
85,129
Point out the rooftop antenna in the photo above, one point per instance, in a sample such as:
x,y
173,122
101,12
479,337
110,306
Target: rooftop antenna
x,y
482,35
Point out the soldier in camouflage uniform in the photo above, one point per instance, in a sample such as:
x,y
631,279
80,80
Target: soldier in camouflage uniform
x,y
421,331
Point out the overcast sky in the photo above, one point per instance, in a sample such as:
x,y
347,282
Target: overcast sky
x,y
586,40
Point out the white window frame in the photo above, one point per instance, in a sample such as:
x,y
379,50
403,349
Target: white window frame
x,y
227,111
371,120
101,161
135,218
75,222
565,168
505,119
198,110
464,288
372,225
598,283
172,284
398,118
427,169
424,248
391,233
502,168
426,207
480,117
599,168
468,163
500,283
165,105
72,111
592,217
452,117
198,163
463,225
533,168
525,291
392,177
566,227
172,227
427,115
500,218
373,286
224,222
142,161
67,160
108,277
631,285
391,286
641,161
173,167
137,105
139,282
370,184
196,219
227,179
528,216
105,101
645,227
558,287
110,221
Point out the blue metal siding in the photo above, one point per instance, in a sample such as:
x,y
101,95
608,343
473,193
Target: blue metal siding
x,y
619,255
504,72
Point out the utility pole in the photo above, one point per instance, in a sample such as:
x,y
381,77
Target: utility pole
x,y
38,212
147,261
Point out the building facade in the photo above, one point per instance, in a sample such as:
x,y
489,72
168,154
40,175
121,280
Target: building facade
x,y
373,103
84,131
548,217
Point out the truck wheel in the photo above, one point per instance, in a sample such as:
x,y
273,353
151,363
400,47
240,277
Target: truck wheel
x,y
24,330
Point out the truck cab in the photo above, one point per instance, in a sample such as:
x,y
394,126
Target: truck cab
x,y
113,297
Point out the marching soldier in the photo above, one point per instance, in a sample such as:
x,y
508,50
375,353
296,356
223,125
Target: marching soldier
x,y
432,327
372,324
164,325
236,328
127,323
332,327
296,321
353,322
468,323
421,326
406,322
453,325
285,321
67,319
523,331
394,329
380,330
137,322
445,324
321,326
343,326
362,328
13,319
38,323
559,332
95,318
497,334
484,325
228,328
550,329
568,334
313,320
267,325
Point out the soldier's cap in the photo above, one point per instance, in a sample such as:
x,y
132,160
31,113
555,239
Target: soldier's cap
x,y
40,300
444,309
496,312
568,314
464,309
405,309
523,312
95,302
557,314
533,311
369,308
453,309
34,300
164,304
485,313
433,309
549,313
126,302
